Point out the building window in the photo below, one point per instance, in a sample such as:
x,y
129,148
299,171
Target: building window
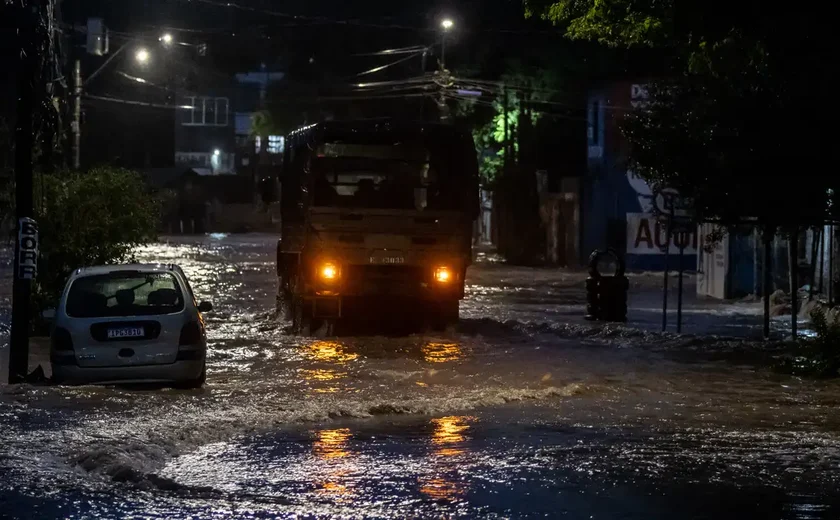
x,y
221,111
207,111
596,123
275,144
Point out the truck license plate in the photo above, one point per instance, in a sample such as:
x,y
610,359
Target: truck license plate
x,y
389,260
128,332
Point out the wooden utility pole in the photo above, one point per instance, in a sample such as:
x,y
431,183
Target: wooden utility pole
x,y
76,124
793,261
767,285
27,71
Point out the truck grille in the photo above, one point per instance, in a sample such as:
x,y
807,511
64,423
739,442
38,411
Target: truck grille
x,y
383,278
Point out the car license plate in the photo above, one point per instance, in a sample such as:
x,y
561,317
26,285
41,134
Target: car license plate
x,y
389,260
127,332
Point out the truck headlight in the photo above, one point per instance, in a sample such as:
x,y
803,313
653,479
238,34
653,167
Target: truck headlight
x,y
328,272
443,275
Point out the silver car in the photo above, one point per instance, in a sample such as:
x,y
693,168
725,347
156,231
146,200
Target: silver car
x,y
129,324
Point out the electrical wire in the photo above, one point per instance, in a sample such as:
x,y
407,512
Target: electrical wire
x,y
134,102
361,23
144,81
389,65
403,50
321,19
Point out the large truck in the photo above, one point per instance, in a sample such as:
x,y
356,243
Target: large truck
x,y
375,215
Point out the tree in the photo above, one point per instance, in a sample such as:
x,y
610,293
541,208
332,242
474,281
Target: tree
x,y
86,219
731,120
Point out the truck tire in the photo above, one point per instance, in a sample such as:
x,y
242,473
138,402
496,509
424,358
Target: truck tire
x,y
445,313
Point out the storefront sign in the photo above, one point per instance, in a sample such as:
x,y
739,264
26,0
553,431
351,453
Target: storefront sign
x,y
27,264
646,235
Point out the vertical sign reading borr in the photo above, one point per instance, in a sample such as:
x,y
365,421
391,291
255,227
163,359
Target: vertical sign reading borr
x,y
27,264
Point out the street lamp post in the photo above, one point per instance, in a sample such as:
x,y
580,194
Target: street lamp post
x,y
142,56
447,24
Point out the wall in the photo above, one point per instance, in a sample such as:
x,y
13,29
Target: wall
x,y
615,203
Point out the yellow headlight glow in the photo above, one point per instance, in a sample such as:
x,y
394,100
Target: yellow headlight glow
x,y
443,275
329,272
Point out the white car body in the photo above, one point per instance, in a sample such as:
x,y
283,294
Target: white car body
x,y
103,340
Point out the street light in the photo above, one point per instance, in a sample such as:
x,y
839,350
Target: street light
x,y
142,56
166,39
447,24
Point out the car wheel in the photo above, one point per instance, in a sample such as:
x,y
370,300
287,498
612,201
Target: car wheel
x,y
194,384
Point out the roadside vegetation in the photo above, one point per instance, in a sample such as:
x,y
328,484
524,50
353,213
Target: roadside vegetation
x,y
91,218
818,356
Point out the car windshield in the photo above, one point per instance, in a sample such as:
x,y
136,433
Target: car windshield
x,y
123,293
399,175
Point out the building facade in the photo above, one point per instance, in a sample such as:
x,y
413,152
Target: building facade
x,y
616,204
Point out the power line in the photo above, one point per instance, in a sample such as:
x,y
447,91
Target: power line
x,y
321,19
386,66
362,23
136,103
402,50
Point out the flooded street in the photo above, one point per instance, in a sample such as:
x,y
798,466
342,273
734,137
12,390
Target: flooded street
x,y
523,410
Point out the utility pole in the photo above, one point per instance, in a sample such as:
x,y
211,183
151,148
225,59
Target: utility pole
x,y
76,124
446,25
767,284
24,143
793,264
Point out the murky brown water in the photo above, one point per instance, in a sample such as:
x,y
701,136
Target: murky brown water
x,y
522,410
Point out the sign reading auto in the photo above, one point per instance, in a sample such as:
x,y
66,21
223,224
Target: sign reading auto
x,y
647,235
27,264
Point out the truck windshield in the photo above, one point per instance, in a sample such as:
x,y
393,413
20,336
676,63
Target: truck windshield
x,y
399,175
124,293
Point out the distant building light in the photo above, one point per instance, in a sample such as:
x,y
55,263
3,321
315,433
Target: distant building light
x,y
276,144
217,152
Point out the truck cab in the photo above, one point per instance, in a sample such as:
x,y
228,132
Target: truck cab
x,y
375,213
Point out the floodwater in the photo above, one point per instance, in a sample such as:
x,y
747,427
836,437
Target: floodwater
x,y
523,410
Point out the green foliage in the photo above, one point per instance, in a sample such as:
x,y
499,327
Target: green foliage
x,y
819,356
523,87
85,219
610,22
263,124
735,104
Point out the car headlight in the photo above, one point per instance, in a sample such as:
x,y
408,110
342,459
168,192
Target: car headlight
x,y
443,275
328,272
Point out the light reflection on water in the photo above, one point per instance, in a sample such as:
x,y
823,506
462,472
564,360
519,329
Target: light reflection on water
x,y
329,352
331,449
448,439
442,352
332,444
679,417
